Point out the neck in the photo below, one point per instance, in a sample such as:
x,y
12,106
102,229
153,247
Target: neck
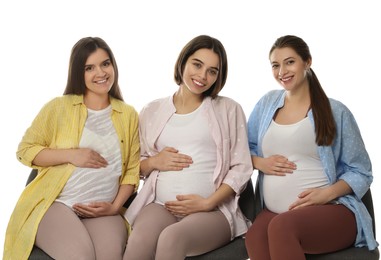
x,y
299,95
186,102
96,102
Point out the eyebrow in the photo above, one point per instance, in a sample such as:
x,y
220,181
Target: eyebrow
x,y
87,65
286,59
195,59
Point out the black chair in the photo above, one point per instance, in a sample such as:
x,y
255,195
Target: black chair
x,y
352,253
37,253
235,249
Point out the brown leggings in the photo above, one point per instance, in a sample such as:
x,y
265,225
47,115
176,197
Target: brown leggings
x,y
157,234
312,230
63,235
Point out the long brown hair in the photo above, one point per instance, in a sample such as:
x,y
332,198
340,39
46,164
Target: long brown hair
x,y
325,128
76,75
204,42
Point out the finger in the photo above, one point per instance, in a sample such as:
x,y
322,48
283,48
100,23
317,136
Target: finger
x,y
183,157
170,149
178,167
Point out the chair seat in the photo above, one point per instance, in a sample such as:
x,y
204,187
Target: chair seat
x,y
38,254
353,253
234,250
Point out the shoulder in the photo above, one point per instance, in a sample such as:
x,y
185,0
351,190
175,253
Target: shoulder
x,y
337,105
271,99
156,104
122,106
63,101
338,108
273,95
224,101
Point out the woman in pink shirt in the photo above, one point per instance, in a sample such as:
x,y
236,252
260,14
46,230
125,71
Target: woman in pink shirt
x,y
195,161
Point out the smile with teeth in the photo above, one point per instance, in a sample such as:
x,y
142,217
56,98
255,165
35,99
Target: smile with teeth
x,y
285,79
101,81
198,83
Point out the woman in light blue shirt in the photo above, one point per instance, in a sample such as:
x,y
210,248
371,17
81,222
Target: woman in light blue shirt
x,y
312,162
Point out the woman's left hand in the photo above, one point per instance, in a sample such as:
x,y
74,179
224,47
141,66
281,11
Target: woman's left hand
x,y
94,209
187,204
317,196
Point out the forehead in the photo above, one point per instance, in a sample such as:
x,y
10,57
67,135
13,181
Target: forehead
x,y
280,54
99,55
207,56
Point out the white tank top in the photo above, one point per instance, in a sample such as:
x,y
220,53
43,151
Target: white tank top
x,y
190,134
87,184
297,143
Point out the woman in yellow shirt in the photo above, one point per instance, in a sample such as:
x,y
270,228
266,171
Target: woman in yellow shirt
x,y
85,145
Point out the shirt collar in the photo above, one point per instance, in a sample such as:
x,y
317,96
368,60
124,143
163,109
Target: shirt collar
x,y
116,105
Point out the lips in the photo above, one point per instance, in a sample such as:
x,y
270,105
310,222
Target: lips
x,y
198,83
101,81
285,79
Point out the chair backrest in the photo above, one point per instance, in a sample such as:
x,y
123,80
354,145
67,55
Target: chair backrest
x,y
368,202
247,201
32,175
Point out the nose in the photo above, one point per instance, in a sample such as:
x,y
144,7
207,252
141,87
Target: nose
x,y
282,71
203,73
100,71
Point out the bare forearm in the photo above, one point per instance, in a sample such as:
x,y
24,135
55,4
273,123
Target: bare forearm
x,y
125,191
146,166
339,189
220,195
256,162
50,157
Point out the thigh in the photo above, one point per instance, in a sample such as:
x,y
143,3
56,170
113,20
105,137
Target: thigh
x,y
320,229
150,222
109,236
256,238
193,235
62,235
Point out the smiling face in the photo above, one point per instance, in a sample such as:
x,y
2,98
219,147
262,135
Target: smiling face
x,y
200,71
288,68
99,74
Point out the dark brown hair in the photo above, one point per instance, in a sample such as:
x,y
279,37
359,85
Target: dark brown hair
x,y
325,128
204,42
76,75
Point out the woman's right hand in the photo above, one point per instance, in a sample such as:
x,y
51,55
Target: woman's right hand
x,y
274,165
87,158
169,159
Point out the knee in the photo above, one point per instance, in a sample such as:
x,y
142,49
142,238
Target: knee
x,y
138,247
169,237
83,253
281,228
255,235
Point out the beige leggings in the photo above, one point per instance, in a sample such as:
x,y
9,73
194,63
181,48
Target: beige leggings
x,y
157,234
63,235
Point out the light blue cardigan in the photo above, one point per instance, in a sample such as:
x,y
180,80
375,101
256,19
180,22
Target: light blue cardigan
x,y
345,159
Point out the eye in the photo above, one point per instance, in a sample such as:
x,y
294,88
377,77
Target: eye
x,y
213,72
197,65
89,68
290,62
106,63
274,66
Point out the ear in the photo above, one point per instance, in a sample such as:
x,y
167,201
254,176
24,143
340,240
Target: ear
x,y
308,64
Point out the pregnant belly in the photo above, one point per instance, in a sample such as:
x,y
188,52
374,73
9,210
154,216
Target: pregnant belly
x,y
171,184
280,192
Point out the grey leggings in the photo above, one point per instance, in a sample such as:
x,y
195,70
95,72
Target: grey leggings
x,y
157,234
63,235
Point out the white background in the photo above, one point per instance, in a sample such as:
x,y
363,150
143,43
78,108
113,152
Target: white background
x,y
146,37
